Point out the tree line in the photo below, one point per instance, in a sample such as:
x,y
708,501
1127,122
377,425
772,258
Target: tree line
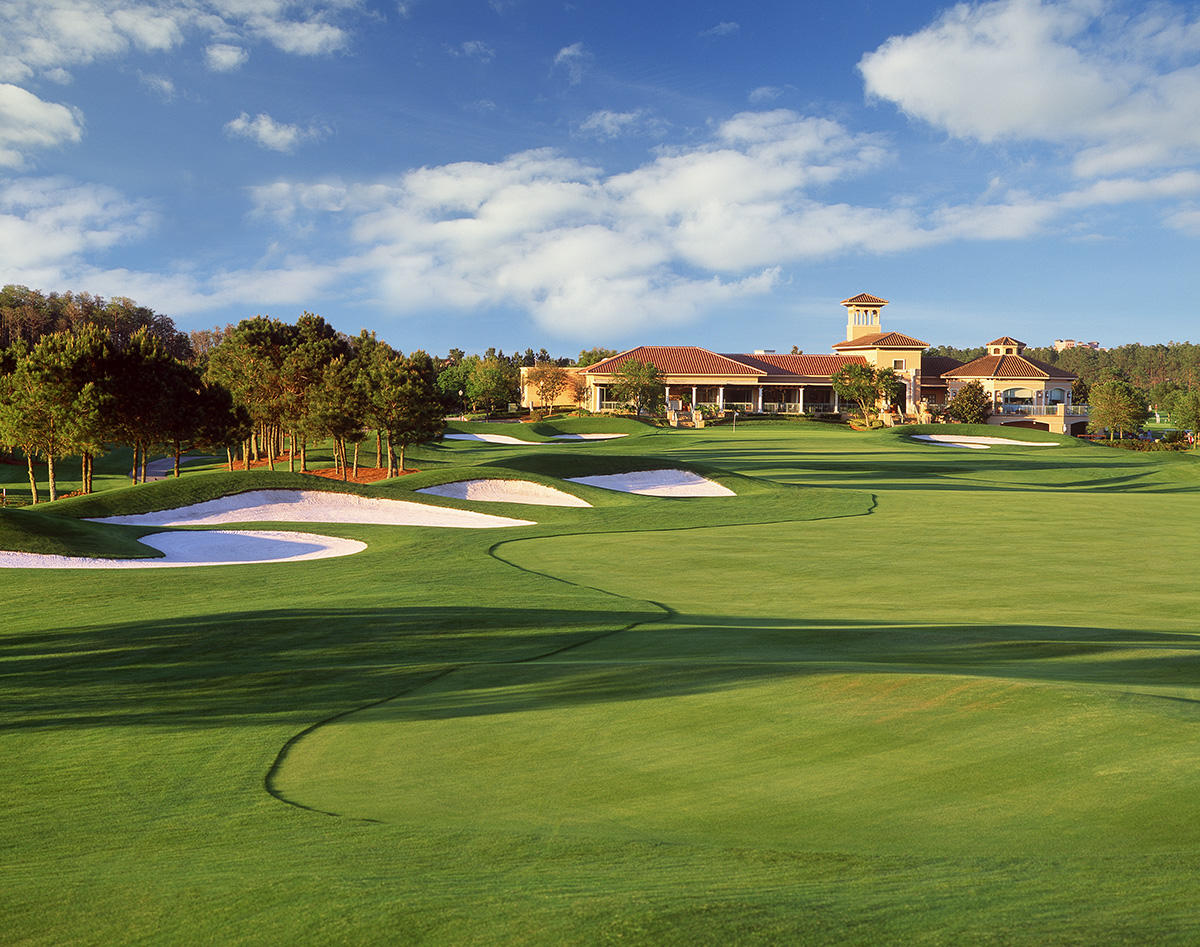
x,y
79,374
1157,369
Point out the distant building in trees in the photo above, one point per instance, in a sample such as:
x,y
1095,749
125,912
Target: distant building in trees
x,y
1061,344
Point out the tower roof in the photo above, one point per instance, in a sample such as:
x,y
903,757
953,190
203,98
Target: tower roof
x,y
864,299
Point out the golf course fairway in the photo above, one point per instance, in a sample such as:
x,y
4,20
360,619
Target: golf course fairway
x,y
879,691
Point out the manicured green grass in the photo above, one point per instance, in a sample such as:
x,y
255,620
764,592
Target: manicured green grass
x,y
888,692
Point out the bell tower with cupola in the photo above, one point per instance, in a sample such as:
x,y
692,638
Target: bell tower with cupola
x,y
862,315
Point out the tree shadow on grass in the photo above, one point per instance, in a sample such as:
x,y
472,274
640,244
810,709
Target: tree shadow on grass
x,y
301,666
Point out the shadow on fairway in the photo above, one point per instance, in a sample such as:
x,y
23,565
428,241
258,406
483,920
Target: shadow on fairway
x,y
303,666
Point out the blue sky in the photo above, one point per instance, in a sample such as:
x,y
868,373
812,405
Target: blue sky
x,y
522,173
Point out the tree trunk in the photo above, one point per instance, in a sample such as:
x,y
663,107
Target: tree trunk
x,y
145,460
91,465
253,447
51,476
303,454
229,457
32,479
342,451
178,451
292,453
135,462
356,460
391,458
377,448
401,468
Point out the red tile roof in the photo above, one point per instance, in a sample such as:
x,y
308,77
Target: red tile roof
x,y
1007,366
1006,340
674,360
864,299
747,369
882,340
806,366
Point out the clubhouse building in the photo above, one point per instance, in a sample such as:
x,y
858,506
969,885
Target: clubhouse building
x,y
765,382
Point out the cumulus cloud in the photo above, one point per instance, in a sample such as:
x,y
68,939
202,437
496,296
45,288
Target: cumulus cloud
x,y
579,249
1120,90
474,49
268,133
49,37
574,60
47,225
724,28
225,57
27,123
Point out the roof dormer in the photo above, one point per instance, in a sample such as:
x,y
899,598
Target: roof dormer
x,y
1005,345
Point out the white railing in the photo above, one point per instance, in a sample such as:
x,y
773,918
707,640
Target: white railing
x,y
782,407
1053,410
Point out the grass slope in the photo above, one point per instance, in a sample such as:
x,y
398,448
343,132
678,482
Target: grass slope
x,y
968,715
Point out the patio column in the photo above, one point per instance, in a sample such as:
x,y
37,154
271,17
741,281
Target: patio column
x,y
758,405
836,405
667,394
801,392
721,397
693,396
596,393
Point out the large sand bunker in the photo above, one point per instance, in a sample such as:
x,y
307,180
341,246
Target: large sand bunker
x,y
975,443
313,506
203,548
658,483
509,439
505,491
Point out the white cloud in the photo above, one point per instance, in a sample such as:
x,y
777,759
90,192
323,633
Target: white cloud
x,y
1186,220
161,86
224,57
606,124
27,123
49,37
47,225
474,49
268,133
724,28
574,59
1076,73
765,93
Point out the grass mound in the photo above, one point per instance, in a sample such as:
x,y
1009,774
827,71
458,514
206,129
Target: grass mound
x,y
32,530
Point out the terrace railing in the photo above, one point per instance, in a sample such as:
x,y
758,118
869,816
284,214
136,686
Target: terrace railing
x,y
782,407
1054,410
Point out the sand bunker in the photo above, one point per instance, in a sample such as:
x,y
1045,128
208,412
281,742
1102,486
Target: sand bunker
x,y
490,438
505,491
658,483
509,439
203,548
975,443
313,506
585,437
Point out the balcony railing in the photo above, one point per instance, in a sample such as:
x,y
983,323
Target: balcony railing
x,y
1053,410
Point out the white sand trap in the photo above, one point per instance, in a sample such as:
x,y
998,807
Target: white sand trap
x,y
505,491
203,548
490,438
586,437
658,483
976,443
509,439
313,506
